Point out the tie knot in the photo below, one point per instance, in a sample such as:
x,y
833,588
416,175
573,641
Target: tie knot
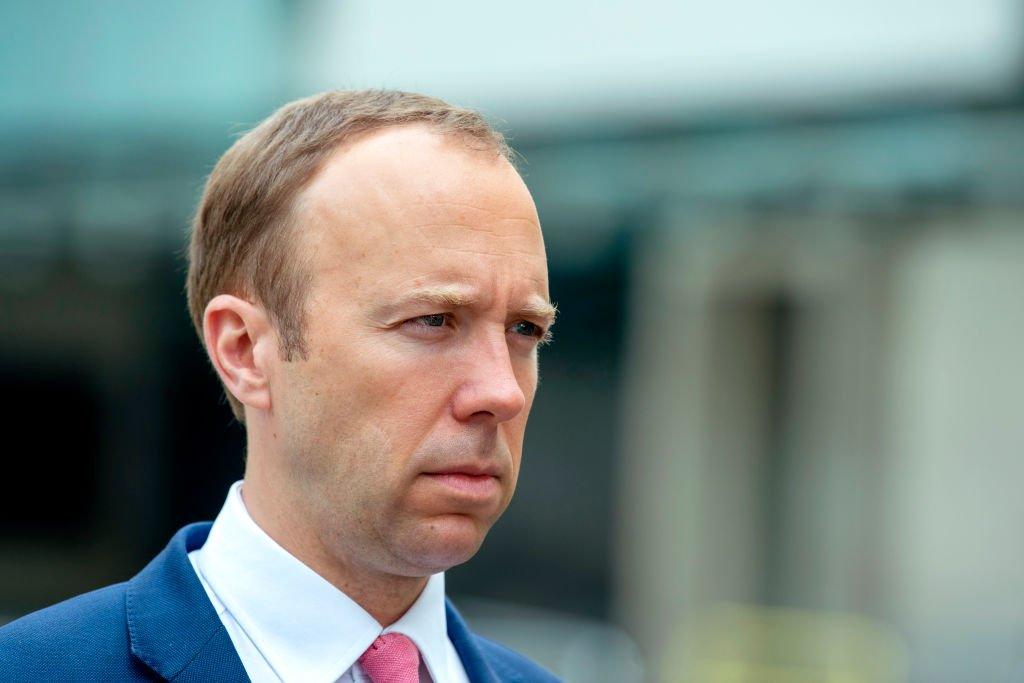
x,y
392,658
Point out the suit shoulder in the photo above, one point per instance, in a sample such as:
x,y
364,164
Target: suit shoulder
x,y
84,638
511,665
83,618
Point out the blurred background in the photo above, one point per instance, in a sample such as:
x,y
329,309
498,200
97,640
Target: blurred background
x,y
780,435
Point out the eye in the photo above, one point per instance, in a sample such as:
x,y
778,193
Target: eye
x,y
432,320
528,329
430,326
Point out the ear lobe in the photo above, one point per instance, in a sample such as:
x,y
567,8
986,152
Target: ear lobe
x,y
233,328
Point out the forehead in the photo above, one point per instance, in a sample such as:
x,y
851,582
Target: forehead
x,y
407,205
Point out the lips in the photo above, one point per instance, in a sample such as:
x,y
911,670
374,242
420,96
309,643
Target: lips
x,y
470,469
477,488
472,482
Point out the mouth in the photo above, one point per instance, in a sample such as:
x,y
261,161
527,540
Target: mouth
x,y
471,482
473,486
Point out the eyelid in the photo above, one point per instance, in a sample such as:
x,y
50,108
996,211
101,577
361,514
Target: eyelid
x,y
418,321
543,334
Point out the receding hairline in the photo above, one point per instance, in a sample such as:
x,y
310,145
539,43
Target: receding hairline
x,y
456,141
453,137
306,197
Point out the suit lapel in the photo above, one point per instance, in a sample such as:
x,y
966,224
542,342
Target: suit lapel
x,y
478,670
172,625
174,630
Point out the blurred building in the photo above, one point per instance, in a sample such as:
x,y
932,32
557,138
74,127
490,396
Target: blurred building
x,y
780,430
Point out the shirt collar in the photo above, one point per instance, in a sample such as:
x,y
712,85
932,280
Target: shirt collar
x,y
305,627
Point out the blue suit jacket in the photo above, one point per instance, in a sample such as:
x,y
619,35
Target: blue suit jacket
x,y
160,625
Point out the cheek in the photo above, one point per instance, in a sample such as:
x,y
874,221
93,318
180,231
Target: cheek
x,y
375,401
528,375
528,378
380,365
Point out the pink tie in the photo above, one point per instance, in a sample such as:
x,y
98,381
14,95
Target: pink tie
x,y
392,658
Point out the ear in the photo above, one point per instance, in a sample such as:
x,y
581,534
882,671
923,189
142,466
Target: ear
x,y
242,344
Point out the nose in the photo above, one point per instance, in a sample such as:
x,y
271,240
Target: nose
x,y
489,389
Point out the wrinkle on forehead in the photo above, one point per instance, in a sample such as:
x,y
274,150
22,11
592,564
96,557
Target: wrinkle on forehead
x,y
488,253
337,207
466,226
506,237
450,205
357,232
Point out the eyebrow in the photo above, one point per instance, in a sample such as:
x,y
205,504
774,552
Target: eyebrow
x,y
459,297
542,309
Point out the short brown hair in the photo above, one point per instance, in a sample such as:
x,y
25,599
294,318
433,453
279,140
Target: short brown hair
x,y
242,242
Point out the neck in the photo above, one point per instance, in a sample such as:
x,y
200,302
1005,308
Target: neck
x,y
386,597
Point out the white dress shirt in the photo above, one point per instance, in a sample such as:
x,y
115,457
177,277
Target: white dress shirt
x,y
289,624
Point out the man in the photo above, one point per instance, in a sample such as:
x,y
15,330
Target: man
x,y
369,279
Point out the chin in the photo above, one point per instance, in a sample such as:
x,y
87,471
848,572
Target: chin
x,y
443,542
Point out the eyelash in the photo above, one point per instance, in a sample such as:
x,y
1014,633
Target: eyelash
x,y
541,335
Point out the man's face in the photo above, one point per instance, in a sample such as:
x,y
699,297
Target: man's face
x,y
401,432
